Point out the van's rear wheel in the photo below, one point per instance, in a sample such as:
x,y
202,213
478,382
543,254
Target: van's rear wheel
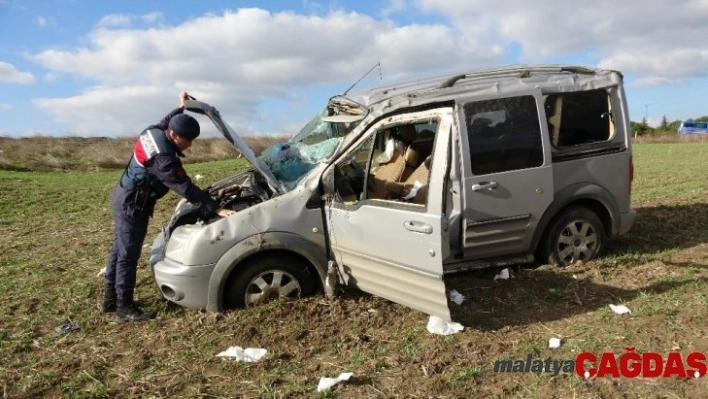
x,y
575,235
268,278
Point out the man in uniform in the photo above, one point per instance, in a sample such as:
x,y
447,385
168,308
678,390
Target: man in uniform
x,y
153,170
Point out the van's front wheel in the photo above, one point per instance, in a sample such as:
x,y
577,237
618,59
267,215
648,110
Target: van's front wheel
x,y
267,278
576,235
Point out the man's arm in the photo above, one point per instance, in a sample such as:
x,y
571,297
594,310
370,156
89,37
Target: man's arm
x,y
169,170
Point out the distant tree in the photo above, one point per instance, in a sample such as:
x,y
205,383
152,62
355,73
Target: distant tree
x,y
640,128
673,126
664,126
701,119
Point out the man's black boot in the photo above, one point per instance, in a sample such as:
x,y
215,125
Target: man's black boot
x,y
128,311
109,299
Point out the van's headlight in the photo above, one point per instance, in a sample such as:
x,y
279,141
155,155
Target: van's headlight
x,y
179,241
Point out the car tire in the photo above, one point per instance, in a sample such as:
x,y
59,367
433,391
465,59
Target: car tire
x,y
267,278
577,234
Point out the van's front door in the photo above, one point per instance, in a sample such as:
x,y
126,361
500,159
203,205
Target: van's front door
x,y
508,182
387,239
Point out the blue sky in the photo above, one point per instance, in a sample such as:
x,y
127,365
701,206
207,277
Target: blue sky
x,y
109,68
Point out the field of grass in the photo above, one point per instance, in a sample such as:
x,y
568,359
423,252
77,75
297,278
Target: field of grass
x,y
56,234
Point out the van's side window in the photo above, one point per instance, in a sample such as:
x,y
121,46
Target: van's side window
x,y
503,134
576,118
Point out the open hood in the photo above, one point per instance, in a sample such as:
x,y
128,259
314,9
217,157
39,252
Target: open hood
x,y
226,130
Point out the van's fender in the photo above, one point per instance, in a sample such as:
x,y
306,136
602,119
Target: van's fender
x,y
580,193
259,243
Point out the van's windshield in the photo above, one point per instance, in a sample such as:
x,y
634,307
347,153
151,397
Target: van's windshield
x,y
315,143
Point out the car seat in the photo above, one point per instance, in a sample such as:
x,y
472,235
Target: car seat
x,y
393,170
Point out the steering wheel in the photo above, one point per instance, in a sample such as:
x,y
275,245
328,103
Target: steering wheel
x,y
361,172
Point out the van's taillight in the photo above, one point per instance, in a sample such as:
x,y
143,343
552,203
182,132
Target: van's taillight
x,y
631,173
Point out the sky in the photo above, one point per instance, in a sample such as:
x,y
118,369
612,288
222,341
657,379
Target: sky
x,y
110,68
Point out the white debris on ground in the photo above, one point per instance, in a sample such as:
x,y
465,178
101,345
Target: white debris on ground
x,y
554,343
198,177
439,326
326,383
457,297
620,309
245,355
101,272
505,274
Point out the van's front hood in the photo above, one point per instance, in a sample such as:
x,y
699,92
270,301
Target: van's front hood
x,y
226,130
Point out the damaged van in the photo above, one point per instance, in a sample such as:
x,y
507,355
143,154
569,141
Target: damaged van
x,y
390,189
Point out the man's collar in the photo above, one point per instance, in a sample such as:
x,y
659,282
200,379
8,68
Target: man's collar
x,y
169,140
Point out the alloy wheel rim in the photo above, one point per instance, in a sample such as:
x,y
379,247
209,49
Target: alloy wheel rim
x,y
270,285
578,241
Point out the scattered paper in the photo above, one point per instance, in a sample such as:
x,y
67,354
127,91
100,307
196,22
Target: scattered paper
x,y
414,191
503,275
457,297
439,326
554,343
101,272
620,309
198,177
245,355
326,383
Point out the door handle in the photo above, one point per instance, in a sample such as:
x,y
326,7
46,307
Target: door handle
x,y
484,185
418,227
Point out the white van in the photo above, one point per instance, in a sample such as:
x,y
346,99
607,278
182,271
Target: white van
x,y
389,189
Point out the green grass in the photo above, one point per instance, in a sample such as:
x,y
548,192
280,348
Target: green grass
x,y
57,232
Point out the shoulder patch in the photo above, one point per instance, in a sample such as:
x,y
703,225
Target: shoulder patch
x,y
145,148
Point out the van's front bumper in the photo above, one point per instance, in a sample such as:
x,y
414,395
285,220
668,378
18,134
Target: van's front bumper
x,y
627,221
183,285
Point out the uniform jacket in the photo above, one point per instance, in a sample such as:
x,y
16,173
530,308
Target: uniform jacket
x,y
154,169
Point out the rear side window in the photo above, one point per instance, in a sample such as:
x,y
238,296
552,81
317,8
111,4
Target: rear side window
x,y
579,118
503,134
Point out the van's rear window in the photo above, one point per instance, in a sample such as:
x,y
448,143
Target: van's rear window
x,y
578,118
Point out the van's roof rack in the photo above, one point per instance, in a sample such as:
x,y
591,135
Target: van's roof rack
x,y
523,72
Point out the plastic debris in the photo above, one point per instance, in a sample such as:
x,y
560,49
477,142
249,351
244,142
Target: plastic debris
x,y
326,383
67,327
457,297
414,191
245,355
101,272
620,309
503,275
439,326
198,177
554,343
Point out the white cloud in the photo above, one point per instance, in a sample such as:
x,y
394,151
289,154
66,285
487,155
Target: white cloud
x,y
393,6
10,74
5,106
40,21
242,57
151,17
659,41
115,21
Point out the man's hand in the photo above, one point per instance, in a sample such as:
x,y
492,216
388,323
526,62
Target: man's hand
x,y
223,212
183,96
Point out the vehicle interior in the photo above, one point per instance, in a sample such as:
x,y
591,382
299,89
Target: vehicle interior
x,y
394,164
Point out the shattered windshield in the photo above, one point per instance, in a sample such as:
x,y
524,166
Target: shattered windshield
x,y
316,142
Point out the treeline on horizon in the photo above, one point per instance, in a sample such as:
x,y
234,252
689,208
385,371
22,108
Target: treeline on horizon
x,y
665,127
